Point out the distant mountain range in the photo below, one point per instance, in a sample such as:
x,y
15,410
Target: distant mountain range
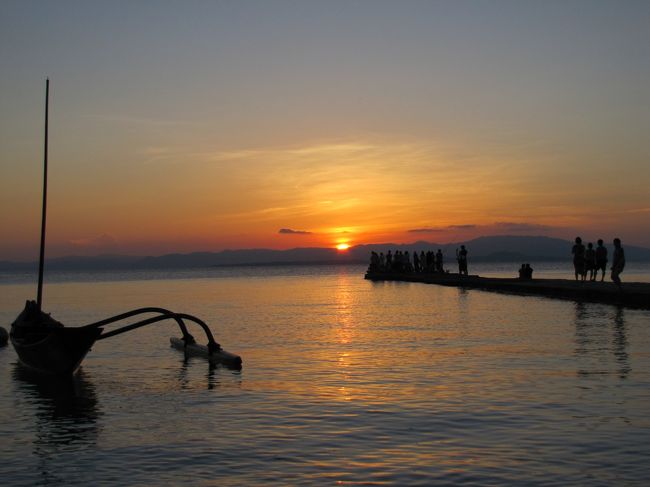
x,y
482,249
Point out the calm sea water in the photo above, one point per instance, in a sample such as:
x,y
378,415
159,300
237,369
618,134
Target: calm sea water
x,y
344,381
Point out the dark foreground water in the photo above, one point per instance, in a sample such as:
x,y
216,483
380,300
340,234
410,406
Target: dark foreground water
x,y
344,382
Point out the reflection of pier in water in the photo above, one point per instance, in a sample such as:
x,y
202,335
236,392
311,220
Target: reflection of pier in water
x,y
601,334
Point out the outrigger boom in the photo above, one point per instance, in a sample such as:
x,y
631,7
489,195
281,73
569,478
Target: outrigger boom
x,y
212,351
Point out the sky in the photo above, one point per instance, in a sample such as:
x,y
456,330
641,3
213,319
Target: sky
x,y
211,125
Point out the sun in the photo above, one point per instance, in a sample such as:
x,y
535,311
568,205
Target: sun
x,y
342,247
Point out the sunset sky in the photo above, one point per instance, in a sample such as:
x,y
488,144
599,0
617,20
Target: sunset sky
x,y
206,125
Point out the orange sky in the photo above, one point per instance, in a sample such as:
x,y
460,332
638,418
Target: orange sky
x,y
247,126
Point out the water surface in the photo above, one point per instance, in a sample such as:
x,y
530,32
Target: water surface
x,y
344,381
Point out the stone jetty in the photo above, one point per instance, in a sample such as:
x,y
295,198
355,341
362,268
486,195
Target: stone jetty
x,y
632,294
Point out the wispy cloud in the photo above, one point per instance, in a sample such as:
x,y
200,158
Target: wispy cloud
x,y
426,230
103,241
500,227
521,227
462,227
126,119
368,182
289,231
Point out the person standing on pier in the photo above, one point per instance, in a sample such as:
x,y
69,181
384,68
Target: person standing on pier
x,y
461,255
590,263
406,262
439,267
601,259
618,262
578,252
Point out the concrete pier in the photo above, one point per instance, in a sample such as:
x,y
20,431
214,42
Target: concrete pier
x,y
632,294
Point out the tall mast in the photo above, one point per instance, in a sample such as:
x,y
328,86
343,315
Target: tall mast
x,y
39,297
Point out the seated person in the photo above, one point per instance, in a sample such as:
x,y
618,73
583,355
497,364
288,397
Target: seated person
x,y
529,271
525,272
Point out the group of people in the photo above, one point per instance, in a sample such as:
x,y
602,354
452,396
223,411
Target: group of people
x,y
589,260
429,261
403,261
525,272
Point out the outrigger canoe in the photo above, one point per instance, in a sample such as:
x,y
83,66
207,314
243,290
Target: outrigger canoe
x,y
45,345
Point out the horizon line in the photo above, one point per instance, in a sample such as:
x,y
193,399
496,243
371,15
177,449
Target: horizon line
x,y
249,249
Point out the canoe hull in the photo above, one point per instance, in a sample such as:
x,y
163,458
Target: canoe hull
x,y
46,346
55,351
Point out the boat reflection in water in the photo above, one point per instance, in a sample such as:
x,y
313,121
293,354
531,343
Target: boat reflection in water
x,y
66,414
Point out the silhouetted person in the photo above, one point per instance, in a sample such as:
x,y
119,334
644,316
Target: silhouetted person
x,y
590,262
407,262
397,261
578,252
423,264
618,261
525,272
389,261
528,271
461,255
374,262
416,262
601,259
439,261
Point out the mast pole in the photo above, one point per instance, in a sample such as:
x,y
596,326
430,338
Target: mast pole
x,y
41,262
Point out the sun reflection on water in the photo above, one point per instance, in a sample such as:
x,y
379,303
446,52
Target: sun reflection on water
x,y
390,383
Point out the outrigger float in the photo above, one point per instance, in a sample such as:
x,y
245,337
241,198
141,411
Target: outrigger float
x,y
633,294
47,346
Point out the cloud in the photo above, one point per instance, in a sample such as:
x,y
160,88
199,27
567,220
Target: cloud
x,y
289,231
425,230
103,241
156,122
462,227
501,227
521,227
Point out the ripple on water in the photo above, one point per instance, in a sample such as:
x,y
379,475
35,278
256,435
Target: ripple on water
x,y
344,381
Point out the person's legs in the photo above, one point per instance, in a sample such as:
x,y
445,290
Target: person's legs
x,y
616,278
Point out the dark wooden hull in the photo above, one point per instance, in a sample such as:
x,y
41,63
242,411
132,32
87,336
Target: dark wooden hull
x,y
56,351
46,346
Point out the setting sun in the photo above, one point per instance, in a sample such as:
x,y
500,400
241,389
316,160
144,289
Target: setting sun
x,y
342,246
